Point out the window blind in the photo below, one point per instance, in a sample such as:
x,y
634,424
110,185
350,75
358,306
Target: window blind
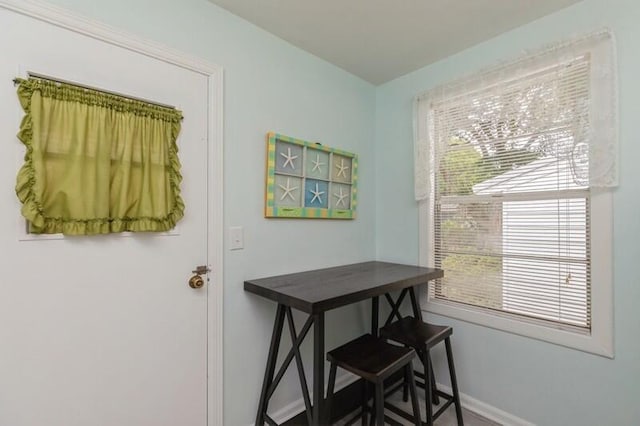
x,y
511,194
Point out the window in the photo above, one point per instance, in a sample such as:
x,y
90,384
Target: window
x,y
512,170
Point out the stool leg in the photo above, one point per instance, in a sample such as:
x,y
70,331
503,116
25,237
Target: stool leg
x,y
454,383
405,387
428,391
330,387
379,405
414,394
434,395
365,401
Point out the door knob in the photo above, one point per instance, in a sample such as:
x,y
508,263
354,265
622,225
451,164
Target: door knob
x,y
196,281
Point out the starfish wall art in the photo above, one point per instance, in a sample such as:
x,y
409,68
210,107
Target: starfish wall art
x,y
309,180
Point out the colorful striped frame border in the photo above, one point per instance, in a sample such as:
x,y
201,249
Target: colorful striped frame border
x,y
273,211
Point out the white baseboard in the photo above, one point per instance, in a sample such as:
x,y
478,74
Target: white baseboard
x,y
474,405
487,411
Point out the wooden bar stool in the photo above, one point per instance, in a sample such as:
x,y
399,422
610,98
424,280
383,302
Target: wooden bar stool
x,y
422,337
373,360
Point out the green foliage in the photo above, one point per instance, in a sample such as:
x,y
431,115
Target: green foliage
x,y
459,171
464,165
483,272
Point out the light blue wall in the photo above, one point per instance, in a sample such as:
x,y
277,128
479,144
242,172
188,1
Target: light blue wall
x,y
269,85
540,382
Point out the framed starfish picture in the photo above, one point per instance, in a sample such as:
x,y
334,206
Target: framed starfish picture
x,y
309,180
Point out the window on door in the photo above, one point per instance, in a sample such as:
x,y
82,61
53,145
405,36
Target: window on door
x,y
515,212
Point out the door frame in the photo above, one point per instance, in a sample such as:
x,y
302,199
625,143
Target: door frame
x,y
79,24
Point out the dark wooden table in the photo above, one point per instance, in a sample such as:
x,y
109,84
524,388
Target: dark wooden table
x,y
316,292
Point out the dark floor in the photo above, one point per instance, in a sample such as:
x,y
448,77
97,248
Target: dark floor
x,y
448,418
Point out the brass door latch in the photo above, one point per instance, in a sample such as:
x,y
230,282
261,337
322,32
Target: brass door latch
x,y
196,281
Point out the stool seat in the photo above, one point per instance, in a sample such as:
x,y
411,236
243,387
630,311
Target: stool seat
x,y
371,358
415,333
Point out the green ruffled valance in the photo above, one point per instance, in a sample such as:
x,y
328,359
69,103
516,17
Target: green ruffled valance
x,y
96,163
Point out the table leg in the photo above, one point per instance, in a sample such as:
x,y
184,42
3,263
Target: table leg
x,y
318,370
296,351
375,307
417,312
395,306
278,325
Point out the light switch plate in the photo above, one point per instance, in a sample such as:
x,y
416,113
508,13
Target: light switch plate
x,y
236,238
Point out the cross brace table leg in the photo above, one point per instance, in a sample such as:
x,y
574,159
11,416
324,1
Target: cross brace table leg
x,y
271,365
270,382
296,352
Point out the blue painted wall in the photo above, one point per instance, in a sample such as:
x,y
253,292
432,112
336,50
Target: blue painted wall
x,y
537,381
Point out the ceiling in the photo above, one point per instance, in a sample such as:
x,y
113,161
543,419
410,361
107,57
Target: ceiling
x,y
379,40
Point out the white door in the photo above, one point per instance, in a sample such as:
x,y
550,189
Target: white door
x,y
101,330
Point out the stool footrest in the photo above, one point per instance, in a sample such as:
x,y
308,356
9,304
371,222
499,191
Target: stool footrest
x,y
269,420
354,419
389,406
443,408
395,388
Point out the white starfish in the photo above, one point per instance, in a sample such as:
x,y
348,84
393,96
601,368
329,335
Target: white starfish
x,y
288,159
287,191
316,195
341,198
342,169
317,164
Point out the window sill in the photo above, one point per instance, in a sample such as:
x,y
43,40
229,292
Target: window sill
x,y
593,342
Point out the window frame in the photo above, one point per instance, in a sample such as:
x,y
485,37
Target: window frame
x,y
600,338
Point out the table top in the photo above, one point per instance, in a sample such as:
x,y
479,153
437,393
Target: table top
x,y
324,289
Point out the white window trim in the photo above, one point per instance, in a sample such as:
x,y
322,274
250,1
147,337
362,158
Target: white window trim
x,y
600,340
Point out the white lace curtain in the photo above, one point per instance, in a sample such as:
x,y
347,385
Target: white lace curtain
x,y
570,85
